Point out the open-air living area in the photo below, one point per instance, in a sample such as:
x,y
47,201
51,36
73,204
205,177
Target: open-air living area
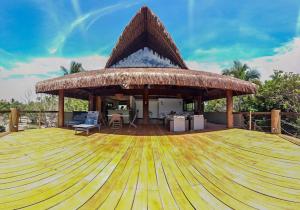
x,y
148,139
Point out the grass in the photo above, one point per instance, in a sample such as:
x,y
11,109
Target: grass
x,y
53,168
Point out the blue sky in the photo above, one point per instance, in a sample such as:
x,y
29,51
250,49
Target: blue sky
x,y
38,36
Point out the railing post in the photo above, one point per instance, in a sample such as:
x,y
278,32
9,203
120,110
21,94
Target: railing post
x,y
40,119
13,120
61,108
250,120
229,108
275,121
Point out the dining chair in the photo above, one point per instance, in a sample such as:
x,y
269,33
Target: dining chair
x,y
116,121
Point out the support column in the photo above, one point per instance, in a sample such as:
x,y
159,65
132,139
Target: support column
x,y
199,104
61,108
131,103
229,108
91,102
275,121
146,105
13,120
98,103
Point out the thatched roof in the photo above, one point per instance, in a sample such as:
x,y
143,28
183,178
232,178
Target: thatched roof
x,y
145,30
130,78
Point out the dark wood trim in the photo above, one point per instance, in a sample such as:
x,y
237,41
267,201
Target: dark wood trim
x,y
61,108
199,104
229,108
91,105
146,104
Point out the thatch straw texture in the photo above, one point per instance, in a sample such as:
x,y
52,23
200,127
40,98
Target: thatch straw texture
x,y
145,30
128,77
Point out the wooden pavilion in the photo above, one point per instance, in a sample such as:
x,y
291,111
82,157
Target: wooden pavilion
x,y
145,81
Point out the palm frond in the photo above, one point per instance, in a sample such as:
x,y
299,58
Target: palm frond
x,y
75,67
64,70
227,72
252,74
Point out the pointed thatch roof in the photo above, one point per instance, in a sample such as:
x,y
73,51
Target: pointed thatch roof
x,y
145,30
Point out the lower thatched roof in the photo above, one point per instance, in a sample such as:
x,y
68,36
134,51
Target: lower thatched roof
x,y
130,77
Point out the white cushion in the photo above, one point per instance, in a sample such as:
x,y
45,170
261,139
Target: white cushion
x,y
198,122
179,123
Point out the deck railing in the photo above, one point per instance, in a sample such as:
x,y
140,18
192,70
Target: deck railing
x,y
259,121
30,119
262,121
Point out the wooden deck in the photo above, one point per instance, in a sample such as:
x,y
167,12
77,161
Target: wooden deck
x,y
53,168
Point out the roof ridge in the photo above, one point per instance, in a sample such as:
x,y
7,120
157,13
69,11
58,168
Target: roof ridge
x,y
145,30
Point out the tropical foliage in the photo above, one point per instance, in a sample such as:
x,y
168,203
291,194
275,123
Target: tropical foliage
x,y
281,91
243,72
45,103
74,68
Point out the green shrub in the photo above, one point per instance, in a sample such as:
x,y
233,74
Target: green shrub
x,y
2,128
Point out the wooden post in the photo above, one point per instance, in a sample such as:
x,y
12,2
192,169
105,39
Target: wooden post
x,y
61,108
250,120
240,120
146,105
98,103
40,119
91,102
229,108
13,120
131,103
275,121
200,104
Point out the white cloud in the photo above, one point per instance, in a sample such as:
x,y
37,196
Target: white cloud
x,y
286,58
50,65
92,17
202,66
253,32
298,25
17,87
191,15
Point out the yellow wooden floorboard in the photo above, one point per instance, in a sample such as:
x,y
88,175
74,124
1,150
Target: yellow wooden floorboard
x,y
59,176
127,198
283,189
166,187
67,188
239,169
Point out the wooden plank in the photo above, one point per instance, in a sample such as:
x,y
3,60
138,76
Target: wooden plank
x,y
240,169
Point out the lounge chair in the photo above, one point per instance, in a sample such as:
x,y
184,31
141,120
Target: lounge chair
x,y
90,122
78,118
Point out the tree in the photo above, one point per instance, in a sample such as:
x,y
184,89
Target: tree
x,y
281,92
74,68
72,104
242,71
218,105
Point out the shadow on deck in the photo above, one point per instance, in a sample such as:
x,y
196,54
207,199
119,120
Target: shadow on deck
x,y
153,130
